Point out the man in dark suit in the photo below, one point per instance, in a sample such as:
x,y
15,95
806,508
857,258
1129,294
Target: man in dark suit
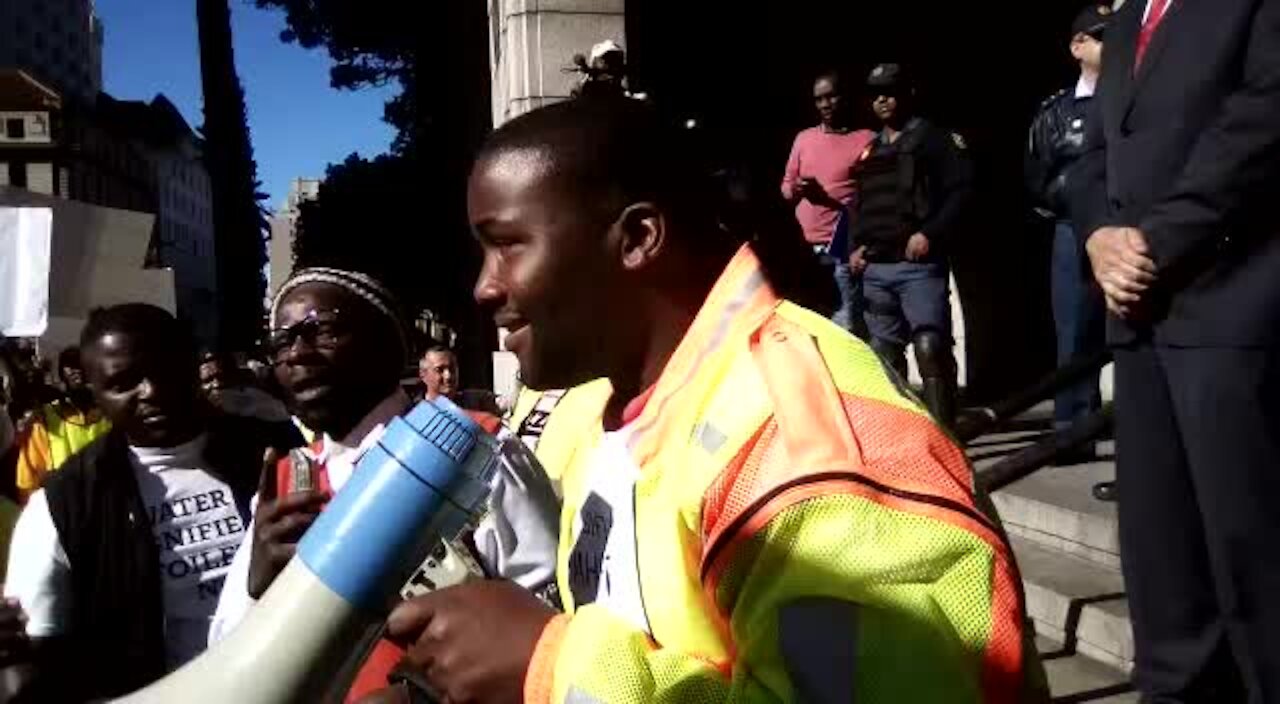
x,y
1178,194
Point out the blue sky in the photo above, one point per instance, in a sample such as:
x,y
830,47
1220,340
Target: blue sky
x,y
299,124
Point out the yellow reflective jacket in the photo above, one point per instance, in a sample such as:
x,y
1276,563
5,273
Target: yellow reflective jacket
x,y
803,531
558,425
59,432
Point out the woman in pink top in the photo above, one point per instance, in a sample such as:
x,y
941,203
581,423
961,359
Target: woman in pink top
x,y
819,183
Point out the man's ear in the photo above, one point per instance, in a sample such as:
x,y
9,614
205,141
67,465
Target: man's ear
x,y
642,230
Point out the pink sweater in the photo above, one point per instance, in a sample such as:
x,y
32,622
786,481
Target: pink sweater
x,y
827,157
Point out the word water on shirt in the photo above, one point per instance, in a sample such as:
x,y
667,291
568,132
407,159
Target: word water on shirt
x,y
197,535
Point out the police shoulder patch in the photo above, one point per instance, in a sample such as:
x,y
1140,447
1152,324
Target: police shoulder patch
x,y
959,141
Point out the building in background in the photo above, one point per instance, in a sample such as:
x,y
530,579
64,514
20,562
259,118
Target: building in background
x,y
123,154
59,42
284,227
71,150
183,201
28,151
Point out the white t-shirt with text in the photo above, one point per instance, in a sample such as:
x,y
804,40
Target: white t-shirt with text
x,y
197,528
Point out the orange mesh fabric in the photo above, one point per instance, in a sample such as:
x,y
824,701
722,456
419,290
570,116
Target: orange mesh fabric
x,y
908,451
912,469
941,621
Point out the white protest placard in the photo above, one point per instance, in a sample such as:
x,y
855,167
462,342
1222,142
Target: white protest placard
x,y
26,236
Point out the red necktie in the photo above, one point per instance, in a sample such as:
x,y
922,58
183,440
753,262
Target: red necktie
x,y
1155,14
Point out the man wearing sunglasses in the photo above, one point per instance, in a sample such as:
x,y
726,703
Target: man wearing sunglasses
x,y
1056,143
339,345
913,184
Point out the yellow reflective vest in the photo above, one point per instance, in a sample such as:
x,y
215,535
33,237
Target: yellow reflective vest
x,y
797,528
60,431
558,426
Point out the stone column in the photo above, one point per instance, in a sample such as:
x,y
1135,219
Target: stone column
x,y
531,42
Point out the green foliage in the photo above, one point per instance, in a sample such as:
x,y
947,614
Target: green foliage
x,y
373,215
240,226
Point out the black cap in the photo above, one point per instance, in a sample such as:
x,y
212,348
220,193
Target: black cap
x,y
887,76
1092,20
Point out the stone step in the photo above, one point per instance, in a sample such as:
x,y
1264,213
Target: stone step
x,y
1075,678
1076,602
1055,506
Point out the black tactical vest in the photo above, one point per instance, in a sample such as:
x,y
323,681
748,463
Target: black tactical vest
x,y
892,201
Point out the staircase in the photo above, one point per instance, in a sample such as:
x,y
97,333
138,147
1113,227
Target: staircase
x,y
1068,551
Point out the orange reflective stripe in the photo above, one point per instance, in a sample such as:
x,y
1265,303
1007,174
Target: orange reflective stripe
x,y
540,678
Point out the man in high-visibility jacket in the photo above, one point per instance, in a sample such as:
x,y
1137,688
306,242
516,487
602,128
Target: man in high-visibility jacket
x,y
61,428
767,516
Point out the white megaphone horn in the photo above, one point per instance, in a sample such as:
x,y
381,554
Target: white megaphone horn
x,y
427,479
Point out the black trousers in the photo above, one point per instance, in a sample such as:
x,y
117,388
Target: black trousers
x,y
1198,467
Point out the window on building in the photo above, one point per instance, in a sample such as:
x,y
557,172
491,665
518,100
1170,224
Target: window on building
x,y
15,128
17,174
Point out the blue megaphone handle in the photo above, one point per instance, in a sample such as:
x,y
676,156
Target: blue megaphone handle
x,y
417,476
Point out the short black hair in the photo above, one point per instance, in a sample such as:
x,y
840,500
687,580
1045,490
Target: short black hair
x,y
137,319
835,75
69,357
438,348
221,357
613,151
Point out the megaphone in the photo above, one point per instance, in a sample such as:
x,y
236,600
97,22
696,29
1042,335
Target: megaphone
x,y
425,481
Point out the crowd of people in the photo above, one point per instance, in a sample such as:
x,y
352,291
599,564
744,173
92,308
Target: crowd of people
x,y
721,495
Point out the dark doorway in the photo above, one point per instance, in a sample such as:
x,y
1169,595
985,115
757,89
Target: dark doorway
x,y
743,71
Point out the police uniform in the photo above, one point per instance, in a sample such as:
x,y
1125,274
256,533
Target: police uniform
x,y
1055,144
918,183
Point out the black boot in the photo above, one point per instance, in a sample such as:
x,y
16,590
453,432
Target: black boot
x,y
1106,491
940,398
938,372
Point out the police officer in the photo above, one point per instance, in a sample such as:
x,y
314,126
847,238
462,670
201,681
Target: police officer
x,y
1056,143
914,184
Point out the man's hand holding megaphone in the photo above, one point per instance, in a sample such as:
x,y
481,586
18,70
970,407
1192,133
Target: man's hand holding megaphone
x,y
473,642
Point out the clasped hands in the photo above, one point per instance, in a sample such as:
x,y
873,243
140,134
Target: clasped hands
x,y
1123,267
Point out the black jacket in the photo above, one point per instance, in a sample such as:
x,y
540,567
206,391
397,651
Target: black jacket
x,y
920,183
1188,151
117,641
1055,144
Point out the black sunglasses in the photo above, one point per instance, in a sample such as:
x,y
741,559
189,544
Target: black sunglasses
x,y
321,329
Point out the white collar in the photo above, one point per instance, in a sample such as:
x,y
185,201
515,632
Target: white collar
x,y
1085,87
190,452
